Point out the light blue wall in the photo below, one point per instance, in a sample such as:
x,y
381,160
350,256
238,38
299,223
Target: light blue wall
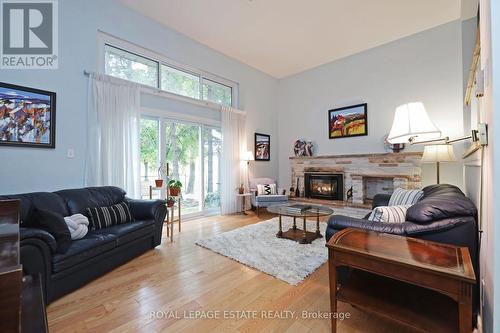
x,y
28,169
426,67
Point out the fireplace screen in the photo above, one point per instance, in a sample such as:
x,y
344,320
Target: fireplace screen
x,y
324,186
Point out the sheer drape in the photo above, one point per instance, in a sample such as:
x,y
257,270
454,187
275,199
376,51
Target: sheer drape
x,y
233,142
113,134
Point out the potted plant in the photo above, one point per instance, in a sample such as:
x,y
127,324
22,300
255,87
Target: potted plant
x,y
174,187
161,173
241,189
170,201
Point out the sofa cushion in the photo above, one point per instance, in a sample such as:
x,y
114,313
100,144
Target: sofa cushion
x,y
392,214
93,244
78,200
441,201
272,198
55,225
127,232
405,197
29,202
103,217
266,189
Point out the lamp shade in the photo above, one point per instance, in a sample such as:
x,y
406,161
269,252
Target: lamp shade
x,y
247,156
438,153
412,122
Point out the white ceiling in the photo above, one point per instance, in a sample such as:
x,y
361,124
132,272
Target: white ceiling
x,y
284,37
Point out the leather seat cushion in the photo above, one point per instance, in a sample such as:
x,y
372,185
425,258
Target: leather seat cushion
x,y
272,198
78,200
127,232
93,244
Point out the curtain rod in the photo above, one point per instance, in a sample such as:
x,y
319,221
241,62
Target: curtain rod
x,y
162,93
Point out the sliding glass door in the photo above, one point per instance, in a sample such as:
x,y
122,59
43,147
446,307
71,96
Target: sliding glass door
x,y
192,152
183,154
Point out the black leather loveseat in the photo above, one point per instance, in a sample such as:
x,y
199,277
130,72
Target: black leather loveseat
x,y
95,254
444,214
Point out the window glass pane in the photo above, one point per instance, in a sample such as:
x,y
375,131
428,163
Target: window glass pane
x,y
179,82
183,156
217,93
149,137
132,67
212,141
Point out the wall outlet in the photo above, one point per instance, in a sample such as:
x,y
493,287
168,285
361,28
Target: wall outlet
x,y
71,153
483,134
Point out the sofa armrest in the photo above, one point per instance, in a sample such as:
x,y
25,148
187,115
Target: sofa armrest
x,y
145,209
35,233
36,248
410,229
339,222
381,200
150,210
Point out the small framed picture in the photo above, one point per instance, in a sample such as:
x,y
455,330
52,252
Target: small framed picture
x,y
27,117
348,121
262,147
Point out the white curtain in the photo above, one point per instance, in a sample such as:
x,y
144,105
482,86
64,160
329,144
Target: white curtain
x,y
233,144
113,134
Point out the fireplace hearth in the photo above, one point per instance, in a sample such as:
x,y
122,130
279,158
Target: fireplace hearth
x,y
328,186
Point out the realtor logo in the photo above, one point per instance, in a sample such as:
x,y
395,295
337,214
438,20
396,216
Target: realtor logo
x,y
29,34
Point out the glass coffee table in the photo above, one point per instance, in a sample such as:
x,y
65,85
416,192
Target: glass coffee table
x,y
301,211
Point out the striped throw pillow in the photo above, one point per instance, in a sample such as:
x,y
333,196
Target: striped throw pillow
x,y
405,197
266,189
103,217
391,214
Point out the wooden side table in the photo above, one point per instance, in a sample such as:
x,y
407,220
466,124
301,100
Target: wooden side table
x,y
170,212
417,283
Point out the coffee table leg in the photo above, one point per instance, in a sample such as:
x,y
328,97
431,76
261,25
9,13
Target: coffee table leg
x,y
304,233
294,223
280,231
318,232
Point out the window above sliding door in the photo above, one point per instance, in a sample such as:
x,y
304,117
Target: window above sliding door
x,y
131,62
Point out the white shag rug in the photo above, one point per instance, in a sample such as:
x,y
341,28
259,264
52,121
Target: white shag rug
x,y
257,246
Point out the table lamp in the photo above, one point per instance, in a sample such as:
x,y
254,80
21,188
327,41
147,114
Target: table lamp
x,y
438,153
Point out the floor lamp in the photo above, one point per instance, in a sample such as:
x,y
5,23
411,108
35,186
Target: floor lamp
x,y
438,153
247,157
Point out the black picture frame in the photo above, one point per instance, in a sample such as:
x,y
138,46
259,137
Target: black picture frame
x,y
350,112
13,100
262,147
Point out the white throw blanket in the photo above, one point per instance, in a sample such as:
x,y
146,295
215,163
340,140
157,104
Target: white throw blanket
x,y
78,225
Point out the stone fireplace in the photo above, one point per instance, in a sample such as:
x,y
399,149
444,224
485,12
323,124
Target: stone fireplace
x,y
365,174
329,186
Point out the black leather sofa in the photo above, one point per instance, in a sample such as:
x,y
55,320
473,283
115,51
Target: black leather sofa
x,y
95,254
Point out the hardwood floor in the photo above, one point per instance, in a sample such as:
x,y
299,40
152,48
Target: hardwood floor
x,y
177,279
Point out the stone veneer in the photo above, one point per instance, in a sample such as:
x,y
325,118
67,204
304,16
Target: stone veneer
x,y
363,170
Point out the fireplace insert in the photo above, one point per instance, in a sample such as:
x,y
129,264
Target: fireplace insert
x,y
328,186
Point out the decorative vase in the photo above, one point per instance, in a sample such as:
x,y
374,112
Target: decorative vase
x,y
297,191
159,182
